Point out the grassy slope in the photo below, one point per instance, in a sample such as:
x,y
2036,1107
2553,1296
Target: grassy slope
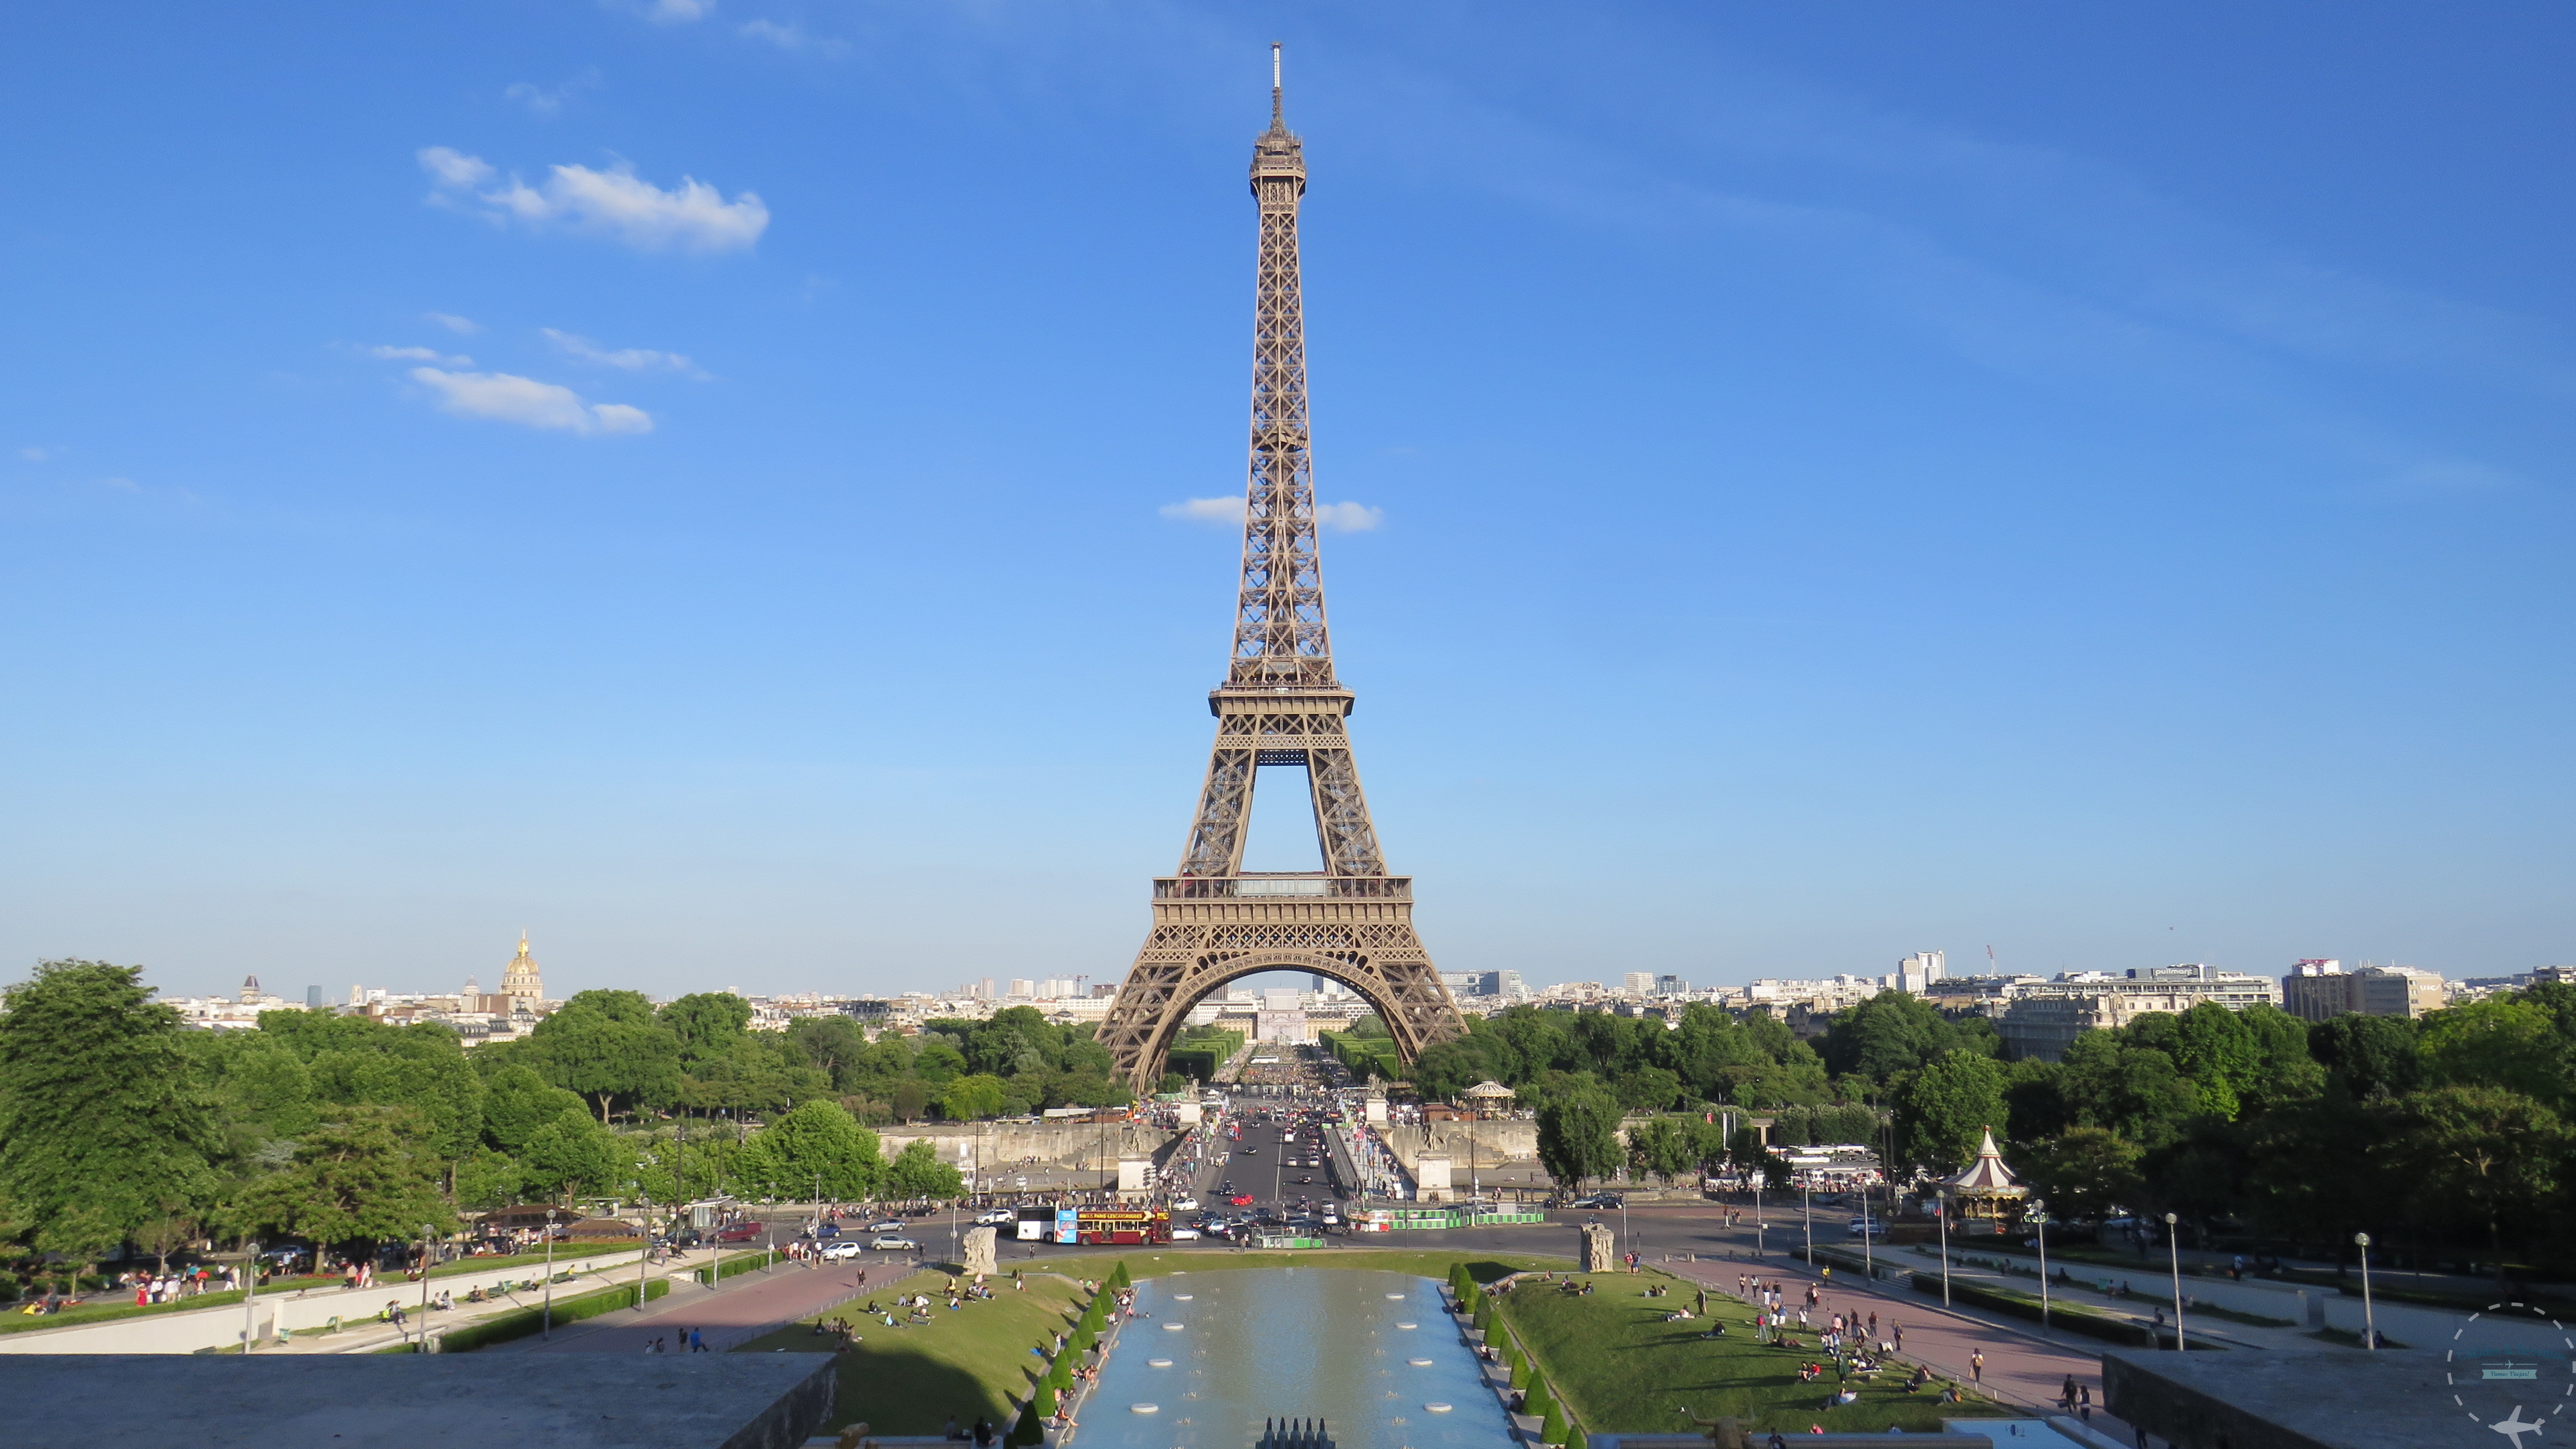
x,y
1625,1370
970,1362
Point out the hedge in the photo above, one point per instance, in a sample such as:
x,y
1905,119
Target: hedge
x,y
2060,1315
740,1263
533,1320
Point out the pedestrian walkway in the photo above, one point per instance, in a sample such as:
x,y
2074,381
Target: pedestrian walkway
x,y
2019,1370
742,1307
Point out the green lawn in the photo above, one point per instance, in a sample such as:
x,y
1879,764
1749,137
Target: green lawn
x,y
975,1361
107,1304
1622,1369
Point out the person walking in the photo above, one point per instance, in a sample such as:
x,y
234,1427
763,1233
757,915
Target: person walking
x,y
1896,1330
1977,1368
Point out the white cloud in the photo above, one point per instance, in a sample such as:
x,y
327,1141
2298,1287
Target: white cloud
x,y
630,359
543,102
1208,510
524,400
1333,517
666,12
454,169
38,455
418,354
1348,517
615,203
466,326
791,36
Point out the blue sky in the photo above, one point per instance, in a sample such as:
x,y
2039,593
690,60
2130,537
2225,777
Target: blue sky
x,y
691,480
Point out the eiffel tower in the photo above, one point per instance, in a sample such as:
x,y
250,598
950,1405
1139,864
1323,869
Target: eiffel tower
x,y
1279,705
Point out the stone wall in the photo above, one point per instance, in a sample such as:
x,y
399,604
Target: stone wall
x,y
1085,1145
1480,1144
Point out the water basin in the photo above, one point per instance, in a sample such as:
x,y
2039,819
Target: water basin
x,y
1299,1343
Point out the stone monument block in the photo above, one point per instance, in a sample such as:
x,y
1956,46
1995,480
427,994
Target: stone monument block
x,y
979,1251
1600,1250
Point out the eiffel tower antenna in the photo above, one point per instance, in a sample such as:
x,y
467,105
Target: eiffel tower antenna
x,y
1280,705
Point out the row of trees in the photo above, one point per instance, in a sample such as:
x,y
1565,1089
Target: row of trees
x,y
120,1125
2453,1131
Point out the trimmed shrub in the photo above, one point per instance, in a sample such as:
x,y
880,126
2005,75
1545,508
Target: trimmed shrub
x,y
1042,1403
1553,1431
1028,1430
533,1320
1540,1403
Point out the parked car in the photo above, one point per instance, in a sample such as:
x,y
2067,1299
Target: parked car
x,y
890,1225
891,1244
738,1233
842,1251
1868,1228
1599,1202
996,1218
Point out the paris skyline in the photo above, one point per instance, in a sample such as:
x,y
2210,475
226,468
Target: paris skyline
x,y
1798,490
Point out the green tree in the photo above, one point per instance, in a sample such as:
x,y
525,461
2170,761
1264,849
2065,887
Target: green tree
x,y
2135,1091
363,1177
2480,1156
818,1140
572,1155
103,1127
2368,1058
2216,1049
1649,1089
1944,1109
2504,1043
707,1024
1887,1035
970,1098
1578,1135
609,1049
516,1102
917,1172
2086,1173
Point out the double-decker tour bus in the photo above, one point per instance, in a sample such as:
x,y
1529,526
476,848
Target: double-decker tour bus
x,y
1122,1226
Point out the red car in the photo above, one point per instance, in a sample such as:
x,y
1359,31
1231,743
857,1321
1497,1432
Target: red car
x,y
738,1233
1240,1199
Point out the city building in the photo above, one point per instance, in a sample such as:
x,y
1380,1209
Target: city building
x,y
519,981
2045,1019
2319,990
1917,972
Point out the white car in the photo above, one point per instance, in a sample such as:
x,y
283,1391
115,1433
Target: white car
x,y
1185,1204
1185,1235
995,1218
840,1252
894,1245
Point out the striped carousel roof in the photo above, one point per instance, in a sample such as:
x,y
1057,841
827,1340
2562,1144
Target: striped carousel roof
x,y
1987,1174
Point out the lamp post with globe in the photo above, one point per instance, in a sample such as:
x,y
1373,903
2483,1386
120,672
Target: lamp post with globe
x,y
2369,1325
2038,1210
2173,1245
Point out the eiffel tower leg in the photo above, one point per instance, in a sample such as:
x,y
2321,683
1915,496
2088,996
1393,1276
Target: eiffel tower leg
x,y
1198,946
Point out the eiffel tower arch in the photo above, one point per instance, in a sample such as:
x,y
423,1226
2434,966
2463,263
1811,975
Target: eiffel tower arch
x,y
1280,705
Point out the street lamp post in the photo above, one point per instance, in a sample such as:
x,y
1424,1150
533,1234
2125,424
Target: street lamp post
x,y
2039,1220
1941,1210
250,1295
2369,1325
547,1331
644,1260
2173,1245
1807,1214
428,1231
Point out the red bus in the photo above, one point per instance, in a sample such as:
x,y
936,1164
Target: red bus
x,y
1122,1226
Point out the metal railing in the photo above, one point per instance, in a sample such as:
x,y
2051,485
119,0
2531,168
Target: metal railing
x,y
1284,887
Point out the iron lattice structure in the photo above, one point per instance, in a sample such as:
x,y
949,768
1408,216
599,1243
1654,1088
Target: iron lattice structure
x,y
1280,705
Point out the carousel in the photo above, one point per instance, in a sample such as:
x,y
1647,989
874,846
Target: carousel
x,y
1984,1198
1487,1097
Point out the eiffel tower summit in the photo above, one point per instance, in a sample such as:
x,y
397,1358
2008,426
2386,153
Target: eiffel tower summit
x,y
1280,705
